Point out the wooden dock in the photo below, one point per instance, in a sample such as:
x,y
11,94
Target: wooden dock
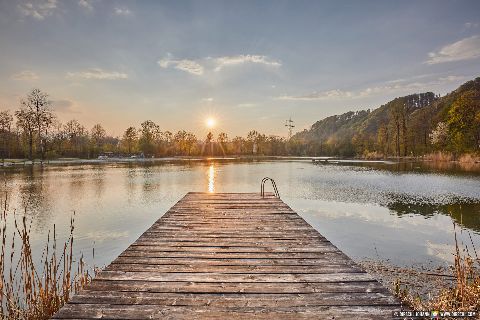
x,y
231,256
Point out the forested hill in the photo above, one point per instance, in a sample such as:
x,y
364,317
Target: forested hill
x,y
412,125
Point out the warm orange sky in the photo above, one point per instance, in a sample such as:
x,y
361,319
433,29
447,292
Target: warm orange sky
x,y
248,64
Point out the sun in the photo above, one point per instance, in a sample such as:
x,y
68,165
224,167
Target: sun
x,y
210,122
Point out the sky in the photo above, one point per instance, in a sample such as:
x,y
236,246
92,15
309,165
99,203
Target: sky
x,y
248,64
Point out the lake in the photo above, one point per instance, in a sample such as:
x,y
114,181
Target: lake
x,y
401,212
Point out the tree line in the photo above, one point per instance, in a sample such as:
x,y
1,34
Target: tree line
x,y
409,126
413,125
33,131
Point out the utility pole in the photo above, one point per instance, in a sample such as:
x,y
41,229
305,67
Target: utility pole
x,y
290,126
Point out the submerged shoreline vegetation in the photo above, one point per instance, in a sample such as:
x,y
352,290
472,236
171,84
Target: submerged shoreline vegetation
x,y
456,288
30,289
418,125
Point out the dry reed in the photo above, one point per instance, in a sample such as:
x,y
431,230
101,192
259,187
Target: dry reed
x,y
463,295
27,292
439,156
469,158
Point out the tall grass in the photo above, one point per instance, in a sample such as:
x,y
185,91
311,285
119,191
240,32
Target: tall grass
x,y
439,156
463,295
28,291
466,158
469,158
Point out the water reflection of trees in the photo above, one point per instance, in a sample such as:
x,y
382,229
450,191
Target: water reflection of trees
x,y
35,196
465,214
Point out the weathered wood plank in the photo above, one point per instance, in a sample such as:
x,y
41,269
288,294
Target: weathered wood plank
x,y
195,268
238,287
325,262
106,311
220,277
233,300
231,256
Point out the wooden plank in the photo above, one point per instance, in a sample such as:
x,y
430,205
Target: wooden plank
x,y
107,311
233,300
202,268
231,256
238,287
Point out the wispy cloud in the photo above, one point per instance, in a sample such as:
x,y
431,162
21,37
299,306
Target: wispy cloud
x,y
226,61
412,78
98,74
25,75
398,85
190,66
86,4
199,66
209,99
319,95
38,9
64,106
122,11
246,105
471,25
410,87
465,49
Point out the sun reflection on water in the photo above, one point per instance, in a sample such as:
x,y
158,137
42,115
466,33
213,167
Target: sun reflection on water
x,y
211,178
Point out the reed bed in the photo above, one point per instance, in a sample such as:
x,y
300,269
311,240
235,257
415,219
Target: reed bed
x,y
439,156
463,295
28,291
469,158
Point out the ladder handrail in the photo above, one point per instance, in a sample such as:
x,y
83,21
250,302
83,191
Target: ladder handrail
x,y
262,187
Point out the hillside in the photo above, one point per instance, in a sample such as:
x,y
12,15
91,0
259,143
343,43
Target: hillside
x,y
411,125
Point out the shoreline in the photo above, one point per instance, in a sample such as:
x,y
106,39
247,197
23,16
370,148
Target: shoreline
x,y
424,280
332,160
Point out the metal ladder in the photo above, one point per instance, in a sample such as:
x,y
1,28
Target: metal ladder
x,y
262,187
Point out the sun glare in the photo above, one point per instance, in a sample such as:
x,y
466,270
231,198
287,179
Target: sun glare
x,y
210,122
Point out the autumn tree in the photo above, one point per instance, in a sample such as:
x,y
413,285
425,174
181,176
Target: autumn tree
x,y
222,140
190,142
36,108
166,143
383,139
6,121
439,135
238,145
76,136
148,135
26,121
97,137
252,138
396,125
130,139
464,123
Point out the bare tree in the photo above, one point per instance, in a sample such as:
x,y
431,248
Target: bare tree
x,y
26,121
190,141
239,144
222,141
76,135
97,137
35,116
6,121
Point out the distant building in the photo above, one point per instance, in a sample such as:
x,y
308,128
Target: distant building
x,y
255,148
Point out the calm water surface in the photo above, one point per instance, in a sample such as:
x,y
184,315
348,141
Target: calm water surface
x,y
400,212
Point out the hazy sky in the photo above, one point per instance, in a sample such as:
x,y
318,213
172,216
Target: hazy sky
x,y
251,64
